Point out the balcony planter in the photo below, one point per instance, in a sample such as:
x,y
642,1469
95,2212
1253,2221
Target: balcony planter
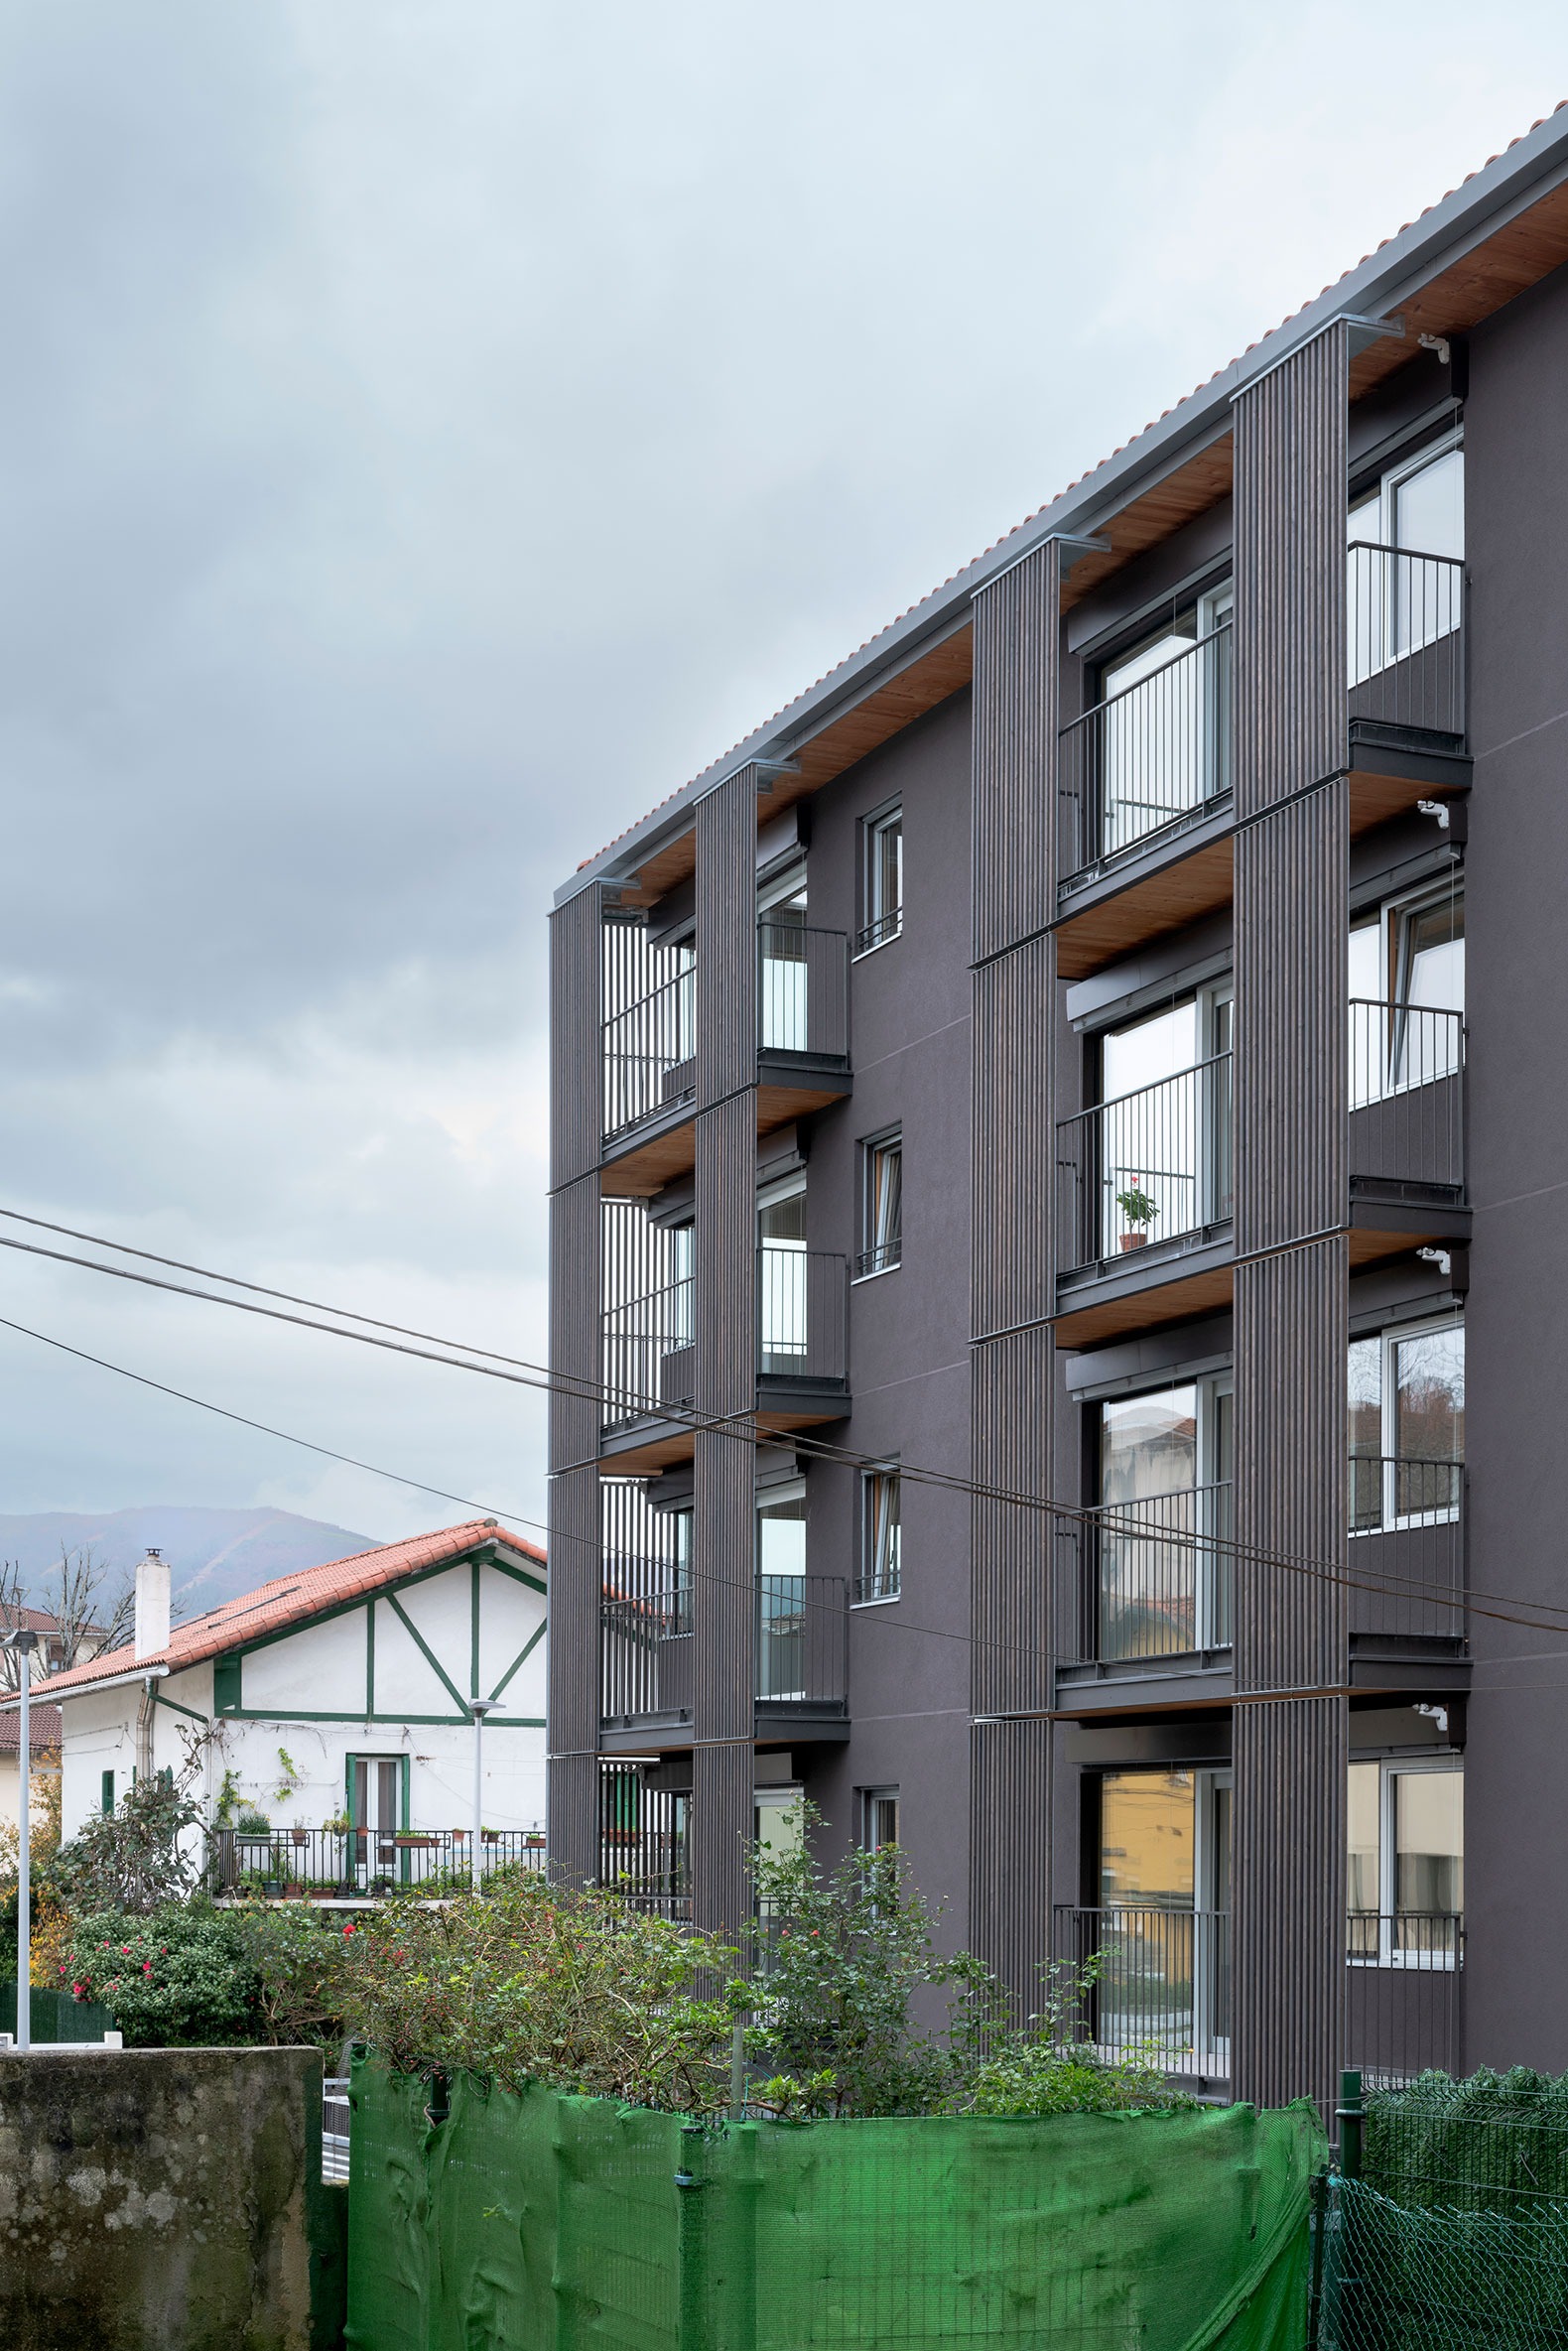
x,y
535,1844
300,1836
1135,1240
413,1842
294,1890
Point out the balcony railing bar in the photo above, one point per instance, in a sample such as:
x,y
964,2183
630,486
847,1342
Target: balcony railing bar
x,y
880,1259
1150,754
877,934
1406,614
803,990
1170,1140
800,1654
1404,1975
1162,1982
649,1053
637,1341
1156,1578
802,1313
355,1863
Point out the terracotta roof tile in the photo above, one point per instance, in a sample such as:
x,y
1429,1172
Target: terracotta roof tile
x,y
294,1599
42,1730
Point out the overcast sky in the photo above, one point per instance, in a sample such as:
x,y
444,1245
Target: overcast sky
x,y
431,432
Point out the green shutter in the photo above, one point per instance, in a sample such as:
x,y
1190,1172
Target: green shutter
x,y
226,1686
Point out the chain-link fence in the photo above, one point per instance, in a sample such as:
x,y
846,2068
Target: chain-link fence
x,y
1400,2278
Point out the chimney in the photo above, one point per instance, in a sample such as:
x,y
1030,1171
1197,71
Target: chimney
x,y
152,1605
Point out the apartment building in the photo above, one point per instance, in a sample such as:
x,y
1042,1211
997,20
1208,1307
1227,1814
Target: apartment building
x,y
1044,1134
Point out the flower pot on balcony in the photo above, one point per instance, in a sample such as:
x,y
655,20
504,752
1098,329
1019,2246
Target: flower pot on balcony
x,y
294,1890
1134,1240
300,1836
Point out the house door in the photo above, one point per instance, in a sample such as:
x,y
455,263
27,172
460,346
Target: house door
x,y
375,1785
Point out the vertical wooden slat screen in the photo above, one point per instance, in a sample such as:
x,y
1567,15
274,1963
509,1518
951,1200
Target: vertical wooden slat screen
x,y
575,1574
1016,647
724,1364
1292,1196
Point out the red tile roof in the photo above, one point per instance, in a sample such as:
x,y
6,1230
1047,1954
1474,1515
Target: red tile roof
x,y
996,547
294,1599
42,1730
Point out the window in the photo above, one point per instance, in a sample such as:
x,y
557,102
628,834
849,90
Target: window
x,y
1161,1137
1163,1925
782,1591
882,879
1407,994
1406,535
783,942
1159,741
1158,1568
782,1305
106,1791
882,1203
880,1528
1406,1864
878,1818
1406,1426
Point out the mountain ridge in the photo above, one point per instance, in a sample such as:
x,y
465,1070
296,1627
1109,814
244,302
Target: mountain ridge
x,y
215,1555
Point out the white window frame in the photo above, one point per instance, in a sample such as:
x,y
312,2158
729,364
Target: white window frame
x,y
873,827
1384,494
869,1797
871,1145
1389,1770
864,1599
1392,1336
1391,915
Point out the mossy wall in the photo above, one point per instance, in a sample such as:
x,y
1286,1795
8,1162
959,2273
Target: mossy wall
x,y
165,2200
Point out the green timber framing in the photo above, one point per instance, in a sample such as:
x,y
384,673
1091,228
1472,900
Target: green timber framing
x,y
228,1681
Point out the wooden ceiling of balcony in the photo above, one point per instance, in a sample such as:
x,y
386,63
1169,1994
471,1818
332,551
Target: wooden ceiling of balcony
x,y
1145,1309
1166,900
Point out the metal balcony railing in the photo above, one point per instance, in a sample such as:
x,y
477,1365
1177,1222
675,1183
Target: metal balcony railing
x,y
803,990
802,1653
1152,1578
1405,1982
355,1863
1154,1165
1406,621
803,1312
1407,1547
1407,1094
1162,1987
1144,758
645,1347
650,1053
645,1644
644,1842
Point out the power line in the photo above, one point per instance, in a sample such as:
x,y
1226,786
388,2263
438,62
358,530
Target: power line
x,y
745,1429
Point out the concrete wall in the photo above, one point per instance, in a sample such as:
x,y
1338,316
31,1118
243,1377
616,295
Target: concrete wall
x,y
165,2200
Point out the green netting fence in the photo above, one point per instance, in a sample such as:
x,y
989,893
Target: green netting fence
x,y
55,2016
1403,2279
556,2223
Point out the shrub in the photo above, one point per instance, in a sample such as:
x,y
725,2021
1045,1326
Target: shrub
x,y
302,1959
182,1977
130,1859
530,1982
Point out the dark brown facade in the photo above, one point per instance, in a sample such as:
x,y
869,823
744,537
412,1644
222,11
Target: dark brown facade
x,y
1019,1142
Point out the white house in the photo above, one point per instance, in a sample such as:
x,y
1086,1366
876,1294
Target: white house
x,y
43,1738
336,1710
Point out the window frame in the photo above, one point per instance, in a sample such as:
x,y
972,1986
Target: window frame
x,y
872,1148
1390,1337
878,926
866,1569
870,1798
1390,1769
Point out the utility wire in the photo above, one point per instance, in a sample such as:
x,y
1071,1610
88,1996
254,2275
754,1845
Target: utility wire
x,y
744,1429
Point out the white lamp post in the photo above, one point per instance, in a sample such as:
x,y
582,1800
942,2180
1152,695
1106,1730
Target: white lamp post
x,y
478,1708
24,1644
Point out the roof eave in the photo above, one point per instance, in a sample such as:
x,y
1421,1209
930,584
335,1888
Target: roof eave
x,y
1461,220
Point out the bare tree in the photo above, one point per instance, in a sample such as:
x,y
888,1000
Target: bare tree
x,y
92,1612
13,1602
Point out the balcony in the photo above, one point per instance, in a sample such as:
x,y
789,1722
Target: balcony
x,y
800,1657
1144,1591
648,1418
1409,1623
1146,777
1143,1197
649,1056
357,1865
1404,1980
1162,1983
1406,1129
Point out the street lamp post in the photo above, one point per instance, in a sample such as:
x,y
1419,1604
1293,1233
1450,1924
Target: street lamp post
x,y
478,1708
24,1644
